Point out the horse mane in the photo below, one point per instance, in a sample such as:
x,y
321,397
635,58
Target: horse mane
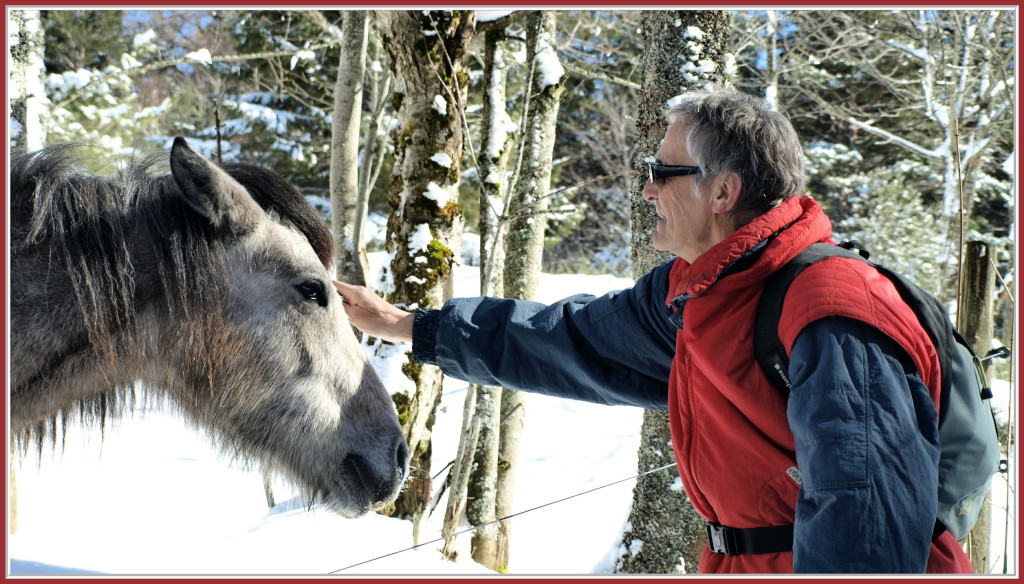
x,y
51,194
90,224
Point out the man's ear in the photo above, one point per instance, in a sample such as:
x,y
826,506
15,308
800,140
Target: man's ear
x,y
727,193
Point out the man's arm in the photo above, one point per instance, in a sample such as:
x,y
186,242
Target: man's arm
x,y
866,437
615,349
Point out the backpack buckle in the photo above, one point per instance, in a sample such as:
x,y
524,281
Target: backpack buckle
x,y
722,540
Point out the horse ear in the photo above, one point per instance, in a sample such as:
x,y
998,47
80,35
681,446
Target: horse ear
x,y
212,192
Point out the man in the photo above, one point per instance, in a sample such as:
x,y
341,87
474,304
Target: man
x,y
842,476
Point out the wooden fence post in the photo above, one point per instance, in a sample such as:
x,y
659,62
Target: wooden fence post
x,y
975,323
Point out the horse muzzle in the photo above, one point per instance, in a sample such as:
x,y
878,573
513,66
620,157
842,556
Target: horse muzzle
x,y
370,482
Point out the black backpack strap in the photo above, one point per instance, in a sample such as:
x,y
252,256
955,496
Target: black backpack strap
x,y
768,348
935,320
771,354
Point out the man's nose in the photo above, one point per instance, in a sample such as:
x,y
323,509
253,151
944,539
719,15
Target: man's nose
x,y
650,192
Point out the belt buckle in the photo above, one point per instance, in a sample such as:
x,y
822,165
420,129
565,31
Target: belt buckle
x,y
719,541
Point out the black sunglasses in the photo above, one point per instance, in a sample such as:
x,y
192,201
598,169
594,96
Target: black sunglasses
x,y
657,171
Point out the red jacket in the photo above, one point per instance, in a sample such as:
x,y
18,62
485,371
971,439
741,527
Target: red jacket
x,y
729,424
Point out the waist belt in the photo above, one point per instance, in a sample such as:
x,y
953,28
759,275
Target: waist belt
x,y
733,541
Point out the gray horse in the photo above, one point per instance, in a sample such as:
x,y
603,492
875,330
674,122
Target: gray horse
x,y
211,286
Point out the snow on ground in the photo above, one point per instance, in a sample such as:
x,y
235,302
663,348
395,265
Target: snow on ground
x,y
152,498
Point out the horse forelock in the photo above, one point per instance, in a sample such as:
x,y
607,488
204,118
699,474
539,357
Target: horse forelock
x,y
276,195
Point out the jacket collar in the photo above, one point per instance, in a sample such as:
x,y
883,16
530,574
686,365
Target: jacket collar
x,y
758,248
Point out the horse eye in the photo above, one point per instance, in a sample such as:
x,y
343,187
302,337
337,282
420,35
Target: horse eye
x,y
313,291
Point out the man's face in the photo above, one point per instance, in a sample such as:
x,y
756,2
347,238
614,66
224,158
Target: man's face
x,y
685,224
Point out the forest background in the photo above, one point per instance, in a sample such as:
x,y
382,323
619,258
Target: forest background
x,y
907,117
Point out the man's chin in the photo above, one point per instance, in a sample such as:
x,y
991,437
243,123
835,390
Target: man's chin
x,y
658,240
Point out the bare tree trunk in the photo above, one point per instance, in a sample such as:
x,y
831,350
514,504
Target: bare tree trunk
x,y
497,143
481,492
28,105
513,417
661,517
458,476
975,323
28,100
493,159
425,226
374,149
482,479
526,238
533,172
344,180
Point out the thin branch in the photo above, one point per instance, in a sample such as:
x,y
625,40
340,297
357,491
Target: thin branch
x,y
143,69
587,74
527,211
894,138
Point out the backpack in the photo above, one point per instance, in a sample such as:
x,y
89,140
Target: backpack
x,y
969,447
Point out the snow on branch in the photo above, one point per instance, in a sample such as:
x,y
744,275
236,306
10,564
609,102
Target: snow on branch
x,y
919,54
889,136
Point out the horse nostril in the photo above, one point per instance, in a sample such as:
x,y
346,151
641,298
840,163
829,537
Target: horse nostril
x,y
402,456
378,485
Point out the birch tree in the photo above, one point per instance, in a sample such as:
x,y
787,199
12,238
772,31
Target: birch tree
x,y
28,101
498,414
351,263
533,168
685,50
482,409
375,143
529,202
425,49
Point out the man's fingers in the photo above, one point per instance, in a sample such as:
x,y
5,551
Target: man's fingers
x,y
371,314
345,290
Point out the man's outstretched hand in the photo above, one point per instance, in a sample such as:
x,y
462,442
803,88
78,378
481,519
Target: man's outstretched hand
x,y
373,315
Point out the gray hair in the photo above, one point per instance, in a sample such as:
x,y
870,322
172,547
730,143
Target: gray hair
x,y
735,132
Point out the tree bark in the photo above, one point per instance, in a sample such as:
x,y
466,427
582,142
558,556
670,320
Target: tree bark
x,y
533,172
459,475
344,179
492,161
662,518
28,97
425,226
374,149
482,491
28,106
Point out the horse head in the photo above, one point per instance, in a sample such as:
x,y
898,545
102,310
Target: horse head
x,y
255,347
292,383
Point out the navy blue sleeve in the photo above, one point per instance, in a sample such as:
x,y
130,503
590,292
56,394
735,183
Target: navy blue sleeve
x,y
615,349
866,437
